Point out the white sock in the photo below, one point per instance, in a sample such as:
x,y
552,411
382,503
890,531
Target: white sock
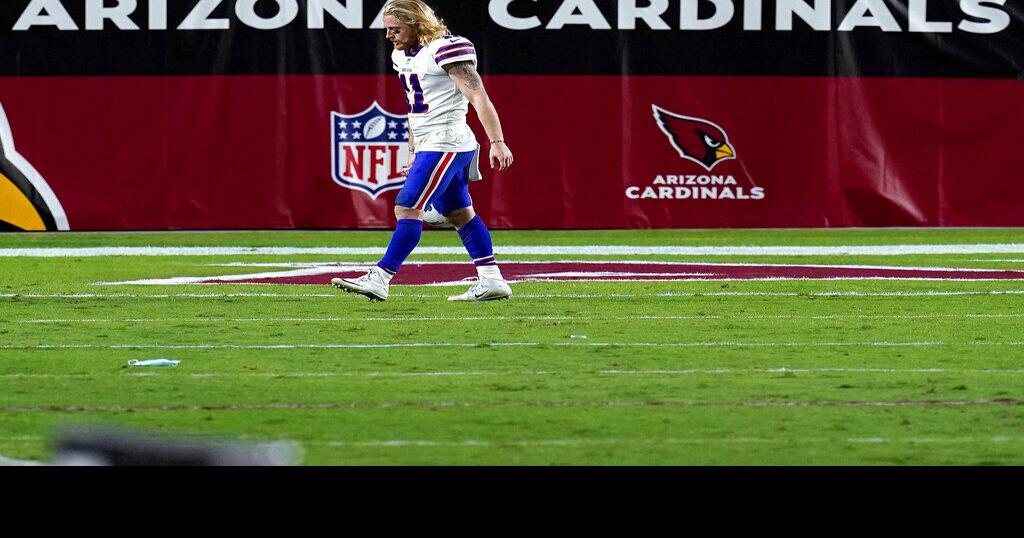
x,y
489,271
386,275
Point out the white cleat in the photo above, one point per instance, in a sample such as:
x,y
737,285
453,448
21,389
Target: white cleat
x,y
486,289
372,285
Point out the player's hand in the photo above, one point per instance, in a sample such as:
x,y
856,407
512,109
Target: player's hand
x,y
501,156
408,167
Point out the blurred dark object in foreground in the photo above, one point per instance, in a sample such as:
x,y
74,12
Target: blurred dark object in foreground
x,y
104,446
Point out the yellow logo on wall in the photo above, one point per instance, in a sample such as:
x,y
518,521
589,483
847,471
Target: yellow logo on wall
x,y
26,201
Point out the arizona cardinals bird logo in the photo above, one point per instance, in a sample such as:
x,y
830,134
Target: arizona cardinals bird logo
x,y
699,140
26,200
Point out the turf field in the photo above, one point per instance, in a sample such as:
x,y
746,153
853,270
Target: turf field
x,y
675,368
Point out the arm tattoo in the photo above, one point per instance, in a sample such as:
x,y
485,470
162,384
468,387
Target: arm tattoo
x,y
466,72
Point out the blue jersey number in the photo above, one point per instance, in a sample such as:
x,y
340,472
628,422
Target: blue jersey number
x,y
417,106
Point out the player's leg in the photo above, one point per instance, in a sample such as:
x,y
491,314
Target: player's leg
x,y
490,285
431,173
477,240
457,206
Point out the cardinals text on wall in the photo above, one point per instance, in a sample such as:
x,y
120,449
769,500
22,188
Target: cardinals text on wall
x,y
976,16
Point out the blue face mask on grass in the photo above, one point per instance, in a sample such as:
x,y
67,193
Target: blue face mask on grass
x,y
153,362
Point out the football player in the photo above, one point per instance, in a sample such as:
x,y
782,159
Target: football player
x,y
438,72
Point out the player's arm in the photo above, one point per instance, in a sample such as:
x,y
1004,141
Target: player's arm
x,y
467,80
412,154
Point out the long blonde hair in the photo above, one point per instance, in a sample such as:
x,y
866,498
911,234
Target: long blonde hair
x,y
420,16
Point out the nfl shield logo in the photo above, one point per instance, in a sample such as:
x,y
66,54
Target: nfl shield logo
x,y
369,149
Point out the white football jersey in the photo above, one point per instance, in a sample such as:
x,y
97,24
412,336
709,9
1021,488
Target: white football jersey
x,y
437,110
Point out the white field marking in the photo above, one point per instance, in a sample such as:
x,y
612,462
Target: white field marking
x,y
749,294
178,281
597,404
545,250
168,295
287,374
475,443
273,346
739,294
513,344
212,281
331,319
408,319
209,281
321,268
921,440
518,295
926,440
764,279
293,265
910,316
370,374
367,264
578,319
770,344
801,370
532,280
10,462
694,371
602,274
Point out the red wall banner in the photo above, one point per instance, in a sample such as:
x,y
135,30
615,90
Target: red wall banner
x,y
155,151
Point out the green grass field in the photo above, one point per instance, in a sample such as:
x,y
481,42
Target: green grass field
x,y
787,372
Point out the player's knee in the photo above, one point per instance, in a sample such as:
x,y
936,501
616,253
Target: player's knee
x,y
460,217
403,213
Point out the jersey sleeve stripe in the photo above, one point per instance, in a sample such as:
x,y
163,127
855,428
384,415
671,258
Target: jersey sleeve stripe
x,y
447,48
471,53
468,48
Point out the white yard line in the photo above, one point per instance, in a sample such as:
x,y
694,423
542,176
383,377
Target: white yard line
x,y
514,344
785,370
297,375
315,269
641,441
517,295
352,266
182,280
530,279
577,319
771,344
541,373
749,294
545,404
167,295
475,443
10,462
315,320
583,250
